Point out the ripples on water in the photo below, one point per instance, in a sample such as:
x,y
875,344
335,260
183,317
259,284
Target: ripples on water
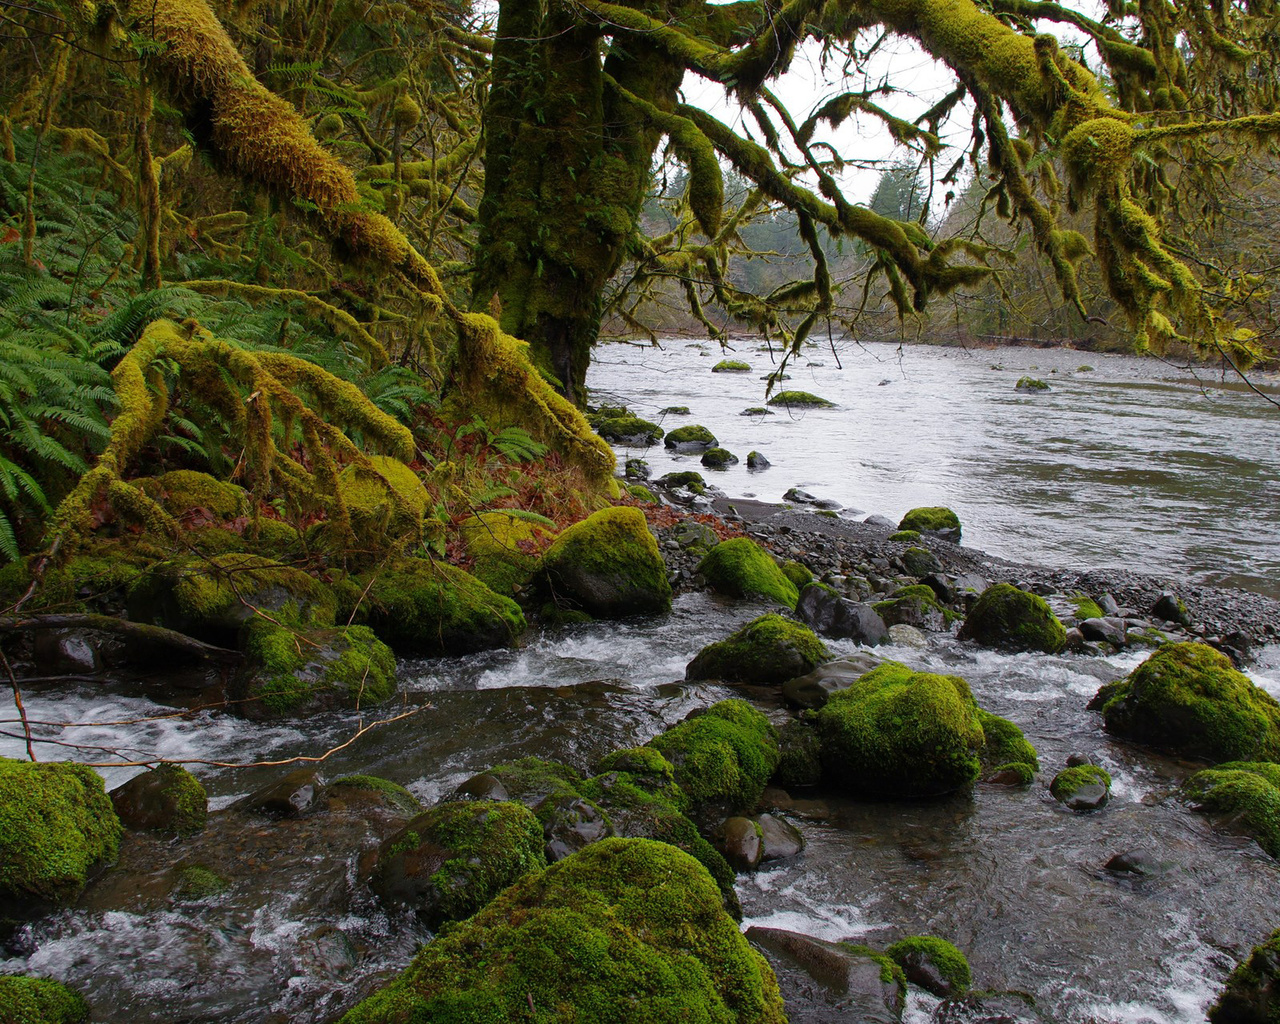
x,y
1134,463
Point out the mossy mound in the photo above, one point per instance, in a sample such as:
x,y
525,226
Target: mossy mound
x,y
1187,699
506,549
898,733
1031,384
800,399
690,479
26,1000
391,794
916,605
769,649
166,799
188,494
451,860
427,607
641,493
1011,619
731,366
933,963
291,671
609,566
722,756
211,598
718,458
1252,993
56,825
385,501
630,430
933,519
1244,796
1082,787
906,536
742,568
690,437
797,572
1005,749
196,884
625,929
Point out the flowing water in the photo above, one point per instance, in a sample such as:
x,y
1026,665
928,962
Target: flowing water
x,y
1011,878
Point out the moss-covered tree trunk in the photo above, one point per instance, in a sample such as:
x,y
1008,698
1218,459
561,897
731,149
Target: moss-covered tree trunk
x,y
566,172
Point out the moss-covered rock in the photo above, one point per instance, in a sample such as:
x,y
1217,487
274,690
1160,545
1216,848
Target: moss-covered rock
x,y
187,494
768,649
1030,384
1083,787
797,572
932,963
1243,796
722,756
427,607
906,536
506,549
390,794
1006,752
625,927
293,671
26,1000
56,826
916,605
211,598
1252,992
800,399
196,883
933,519
386,502
689,479
1187,699
800,755
1011,619
630,430
693,437
641,493
742,568
451,860
166,799
899,733
609,566
731,366
719,458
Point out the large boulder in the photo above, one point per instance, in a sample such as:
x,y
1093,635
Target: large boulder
x,y
722,756
1243,797
631,431
295,672
1007,618
26,1000
1252,994
609,566
769,649
1188,699
1007,756
742,568
900,733
451,860
428,607
832,615
935,519
165,799
57,825
625,927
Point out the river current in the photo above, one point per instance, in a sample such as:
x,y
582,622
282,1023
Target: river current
x,y
1006,874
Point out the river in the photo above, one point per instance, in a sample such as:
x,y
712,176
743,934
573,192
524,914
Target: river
x,y
1015,881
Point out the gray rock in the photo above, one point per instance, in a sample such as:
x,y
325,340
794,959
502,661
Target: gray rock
x,y
1170,608
835,616
881,523
1109,630
738,840
755,460
1108,605
66,652
907,636
814,689
1137,863
481,787
841,969
779,839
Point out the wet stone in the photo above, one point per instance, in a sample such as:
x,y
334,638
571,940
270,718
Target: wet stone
x,y
1110,630
299,793
1135,863
570,823
66,652
738,839
780,840
481,787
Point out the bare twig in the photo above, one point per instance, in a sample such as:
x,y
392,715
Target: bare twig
x,y
130,630
22,711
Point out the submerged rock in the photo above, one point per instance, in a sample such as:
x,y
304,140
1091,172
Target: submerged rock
x,y
814,689
295,795
769,649
719,458
1011,619
1252,993
623,924
872,987
756,460
1188,699
800,400
609,566
742,568
165,799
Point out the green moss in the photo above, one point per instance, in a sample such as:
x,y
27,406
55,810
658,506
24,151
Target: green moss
x,y
648,769
731,366
623,927
1246,794
429,607
899,733
693,434
1004,745
1009,618
1031,384
505,549
290,670
769,649
385,501
756,410
890,972
800,760
798,573
1188,699
719,458
609,565
451,860
689,478
1086,607
906,536
642,493
675,410
630,430
1252,992
914,605
742,568
166,799
949,962
197,883
724,755
26,1000
184,492
931,519
56,825
800,399
1070,781
392,792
